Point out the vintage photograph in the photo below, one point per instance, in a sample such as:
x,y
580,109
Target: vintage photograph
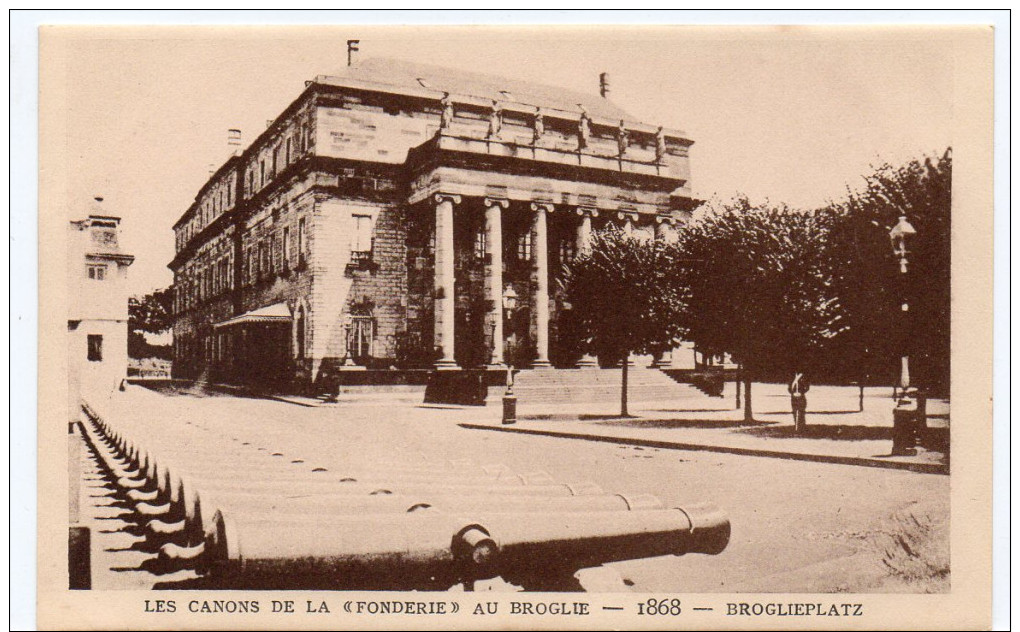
x,y
545,310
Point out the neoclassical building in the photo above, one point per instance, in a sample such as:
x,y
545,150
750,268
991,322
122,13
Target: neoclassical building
x,y
407,216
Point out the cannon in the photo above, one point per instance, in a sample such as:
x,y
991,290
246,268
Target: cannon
x,y
186,529
434,550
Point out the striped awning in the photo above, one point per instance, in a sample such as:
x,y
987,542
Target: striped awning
x,y
276,313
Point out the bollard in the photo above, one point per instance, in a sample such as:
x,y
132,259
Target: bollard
x,y
79,558
509,409
905,428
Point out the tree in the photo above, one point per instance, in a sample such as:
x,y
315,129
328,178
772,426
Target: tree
x,y
759,288
152,314
623,299
867,278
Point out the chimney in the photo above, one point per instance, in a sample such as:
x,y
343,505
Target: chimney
x,y
352,49
233,138
604,85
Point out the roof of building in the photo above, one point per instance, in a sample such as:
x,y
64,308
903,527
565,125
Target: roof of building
x,y
277,312
414,77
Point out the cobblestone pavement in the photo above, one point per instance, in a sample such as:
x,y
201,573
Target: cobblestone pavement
x,y
797,526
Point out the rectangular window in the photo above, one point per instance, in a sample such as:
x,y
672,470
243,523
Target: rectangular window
x,y
262,166
301,237
480,245
276,162
524,246
361,334
362,241
97,272
286,246
567,250
287,155
95,342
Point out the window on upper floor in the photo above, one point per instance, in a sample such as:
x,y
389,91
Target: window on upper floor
x,y
480,244
567,247
524,246
286,246
287,154
95,348
361,239
301,237
96,271
262,167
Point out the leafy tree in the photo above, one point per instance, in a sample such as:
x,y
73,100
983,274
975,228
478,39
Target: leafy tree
x,y
867,277
760,288
152,313
623,299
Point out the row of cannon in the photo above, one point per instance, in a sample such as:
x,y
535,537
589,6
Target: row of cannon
x,y
243,516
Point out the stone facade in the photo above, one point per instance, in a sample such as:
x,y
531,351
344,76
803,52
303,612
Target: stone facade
x,y
358,230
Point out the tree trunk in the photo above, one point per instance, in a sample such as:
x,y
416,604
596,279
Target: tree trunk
x,y
623,389
860,398
736,386
748,413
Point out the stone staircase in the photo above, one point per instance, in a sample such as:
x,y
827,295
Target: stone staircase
x,y
579,386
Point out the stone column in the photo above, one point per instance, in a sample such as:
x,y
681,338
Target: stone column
x,y
587,360
584,228
444,271
541,248
494,274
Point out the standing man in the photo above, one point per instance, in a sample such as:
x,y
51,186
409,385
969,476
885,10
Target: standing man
x,y
798,402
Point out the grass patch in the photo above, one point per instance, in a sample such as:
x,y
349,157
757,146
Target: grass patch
x,y
914,549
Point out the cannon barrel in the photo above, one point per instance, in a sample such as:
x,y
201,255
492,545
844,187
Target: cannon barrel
x,y
527,549
247,506
361,551
371,552
199,499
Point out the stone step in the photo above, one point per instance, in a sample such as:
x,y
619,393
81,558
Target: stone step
x,y
539,386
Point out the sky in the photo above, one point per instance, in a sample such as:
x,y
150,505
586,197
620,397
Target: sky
x,y
794,115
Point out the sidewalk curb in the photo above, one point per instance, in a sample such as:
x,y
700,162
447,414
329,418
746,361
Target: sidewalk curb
x,y
920,468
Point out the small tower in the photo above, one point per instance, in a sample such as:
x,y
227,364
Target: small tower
x,y
97,316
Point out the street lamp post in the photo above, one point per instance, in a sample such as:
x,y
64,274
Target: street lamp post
x,y
509,399
905,422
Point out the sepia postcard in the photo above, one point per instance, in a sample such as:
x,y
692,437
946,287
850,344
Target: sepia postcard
x,y
532,327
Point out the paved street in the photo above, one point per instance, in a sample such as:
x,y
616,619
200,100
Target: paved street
x,y
797,526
